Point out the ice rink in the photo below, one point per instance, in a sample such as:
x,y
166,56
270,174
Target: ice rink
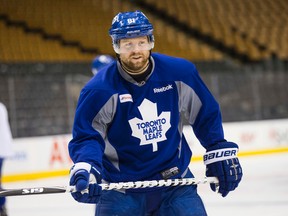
x,y
263,191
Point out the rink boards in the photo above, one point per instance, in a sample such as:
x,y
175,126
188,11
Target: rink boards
x,y
47,156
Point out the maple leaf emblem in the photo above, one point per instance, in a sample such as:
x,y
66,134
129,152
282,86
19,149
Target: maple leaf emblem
x,y
152,128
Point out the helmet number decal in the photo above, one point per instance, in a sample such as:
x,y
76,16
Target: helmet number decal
x,y
131,20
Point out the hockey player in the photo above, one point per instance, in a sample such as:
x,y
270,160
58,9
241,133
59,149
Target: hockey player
x,y
99,62
128,127
5,148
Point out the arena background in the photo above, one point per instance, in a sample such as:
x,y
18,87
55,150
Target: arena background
x,y
239,47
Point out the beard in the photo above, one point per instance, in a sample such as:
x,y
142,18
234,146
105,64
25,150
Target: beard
x,y
135,63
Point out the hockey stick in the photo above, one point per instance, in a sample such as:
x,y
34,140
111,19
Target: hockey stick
x,y
111,186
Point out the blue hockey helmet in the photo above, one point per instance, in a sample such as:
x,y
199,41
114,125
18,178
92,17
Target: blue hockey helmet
x,y
101,61
130,25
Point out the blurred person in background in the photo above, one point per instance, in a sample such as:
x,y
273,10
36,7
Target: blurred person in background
x,y
5,149
100,61
128,126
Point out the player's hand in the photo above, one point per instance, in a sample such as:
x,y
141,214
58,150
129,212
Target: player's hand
x,y
221,161
85,177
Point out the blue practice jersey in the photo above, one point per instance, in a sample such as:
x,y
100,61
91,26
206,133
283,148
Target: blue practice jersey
x,y
133,131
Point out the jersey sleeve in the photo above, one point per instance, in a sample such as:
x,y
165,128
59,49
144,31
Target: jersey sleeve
x,y
202,110
93,114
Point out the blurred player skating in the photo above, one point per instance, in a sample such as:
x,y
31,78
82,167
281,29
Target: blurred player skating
x,y
128,126
100,61
5,148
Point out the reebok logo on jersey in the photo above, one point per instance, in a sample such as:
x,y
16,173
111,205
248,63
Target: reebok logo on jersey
x,y
125,98
163,89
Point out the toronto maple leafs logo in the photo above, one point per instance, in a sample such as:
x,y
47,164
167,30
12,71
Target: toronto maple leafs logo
x,y
152,128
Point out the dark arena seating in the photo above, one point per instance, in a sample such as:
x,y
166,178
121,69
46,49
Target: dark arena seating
x,y
46,47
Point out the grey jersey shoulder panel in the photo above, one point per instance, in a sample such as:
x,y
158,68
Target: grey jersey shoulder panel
x,y
189,102
101,122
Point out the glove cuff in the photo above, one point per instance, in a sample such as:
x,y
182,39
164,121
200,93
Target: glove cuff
x,y
94,174
219,155
219,152
80,166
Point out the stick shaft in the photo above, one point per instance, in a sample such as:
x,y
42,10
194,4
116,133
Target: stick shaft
x,y
33,191
110,186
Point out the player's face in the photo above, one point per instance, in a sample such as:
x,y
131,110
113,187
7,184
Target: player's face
x,y
135,52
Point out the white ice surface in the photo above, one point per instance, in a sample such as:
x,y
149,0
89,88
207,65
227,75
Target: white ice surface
x,y
263,191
